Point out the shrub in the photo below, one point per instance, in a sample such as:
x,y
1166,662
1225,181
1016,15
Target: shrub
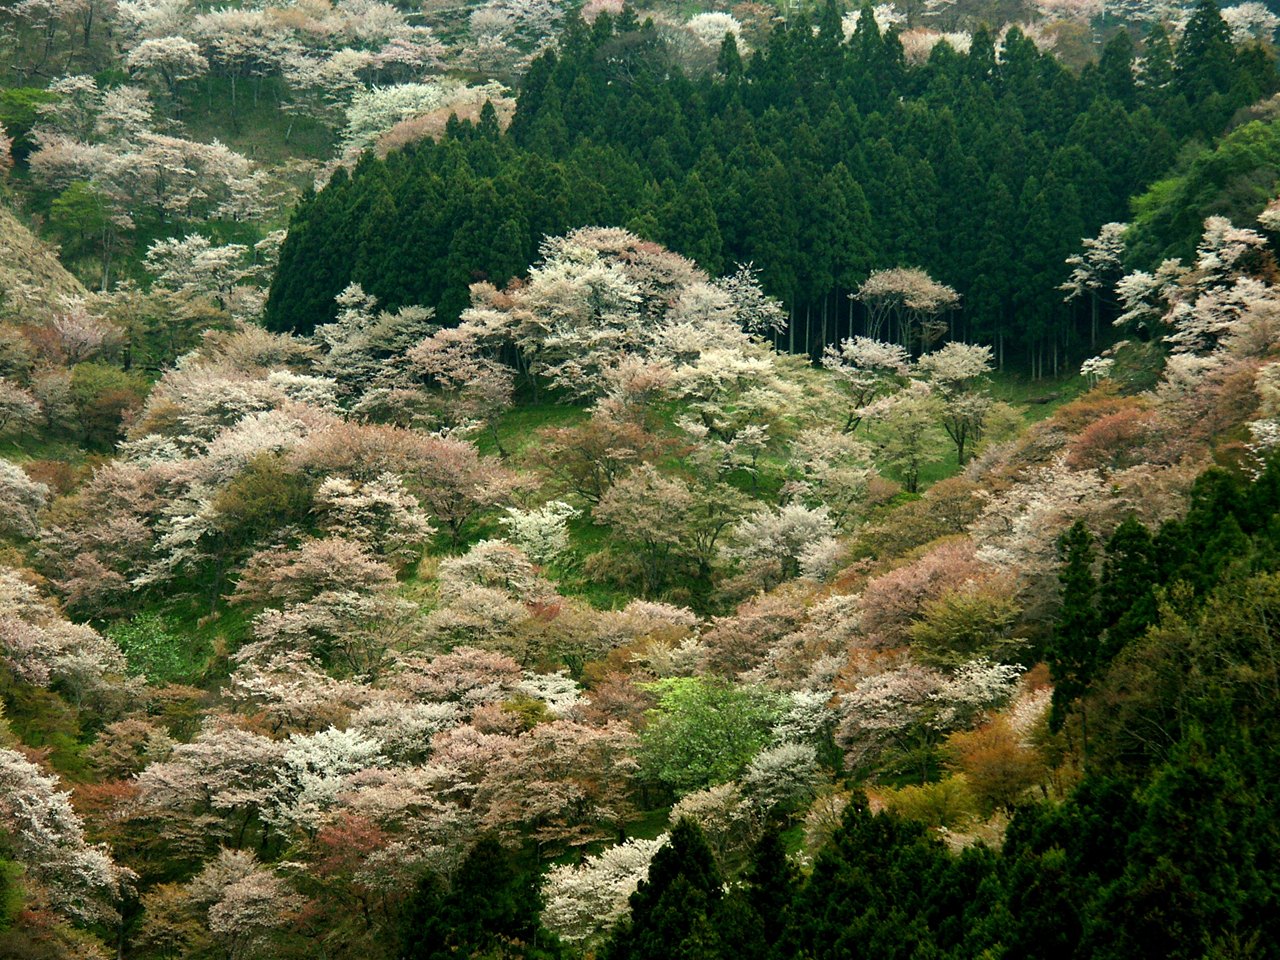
x,y
156,649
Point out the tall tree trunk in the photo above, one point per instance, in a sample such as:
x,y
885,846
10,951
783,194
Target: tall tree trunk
x,y
826,302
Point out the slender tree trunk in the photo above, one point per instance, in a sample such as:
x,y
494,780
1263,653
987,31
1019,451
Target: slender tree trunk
x,y
1084,737
826,302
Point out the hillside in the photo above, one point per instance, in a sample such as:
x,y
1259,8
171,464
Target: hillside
x,y
31,275
518,480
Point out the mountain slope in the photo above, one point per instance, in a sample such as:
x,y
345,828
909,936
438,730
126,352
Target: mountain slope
x,y
31,277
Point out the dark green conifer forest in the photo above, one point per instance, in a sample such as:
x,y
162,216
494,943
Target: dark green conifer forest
x,y
817,160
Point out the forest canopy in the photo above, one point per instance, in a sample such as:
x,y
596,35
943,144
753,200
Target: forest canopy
x,y
562,481
817,158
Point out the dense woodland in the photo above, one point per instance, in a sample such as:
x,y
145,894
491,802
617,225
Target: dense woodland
x,y
529,480
815,159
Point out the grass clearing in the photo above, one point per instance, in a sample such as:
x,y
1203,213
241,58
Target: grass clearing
x,y
517,428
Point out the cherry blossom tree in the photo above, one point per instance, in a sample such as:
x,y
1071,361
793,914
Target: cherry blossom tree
x,y
374,111
1250,20
780,537
893,601
781,778
465,675
576,316
1145,297
6,153
907,304
78,335
194,266
1083,11
362,343
145,19
316,565
19,409
245,902
293,692
756,311
241,43
601,296
866,370
567,782
44,649
584,900
170,59
48,838
1095,270
21,499
886,709
379,514
958,372
835,471
336,601
543,533
312,771
645,508
918,44
493,564
467,384
588,459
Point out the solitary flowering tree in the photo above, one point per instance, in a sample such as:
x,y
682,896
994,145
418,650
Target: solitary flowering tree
x,y
865,369
958,375
906,304
1096,268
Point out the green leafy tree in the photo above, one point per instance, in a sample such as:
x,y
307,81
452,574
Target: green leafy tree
x,y
704,731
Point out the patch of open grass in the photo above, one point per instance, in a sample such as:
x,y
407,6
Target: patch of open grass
x,y
518,427
162,651
256,126
1037,398
650,824
183,640
43,448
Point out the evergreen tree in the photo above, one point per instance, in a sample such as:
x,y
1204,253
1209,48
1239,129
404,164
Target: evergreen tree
x,y
1205,57
491,909
1074,648
729,60
674,910
1116,69
1126,596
